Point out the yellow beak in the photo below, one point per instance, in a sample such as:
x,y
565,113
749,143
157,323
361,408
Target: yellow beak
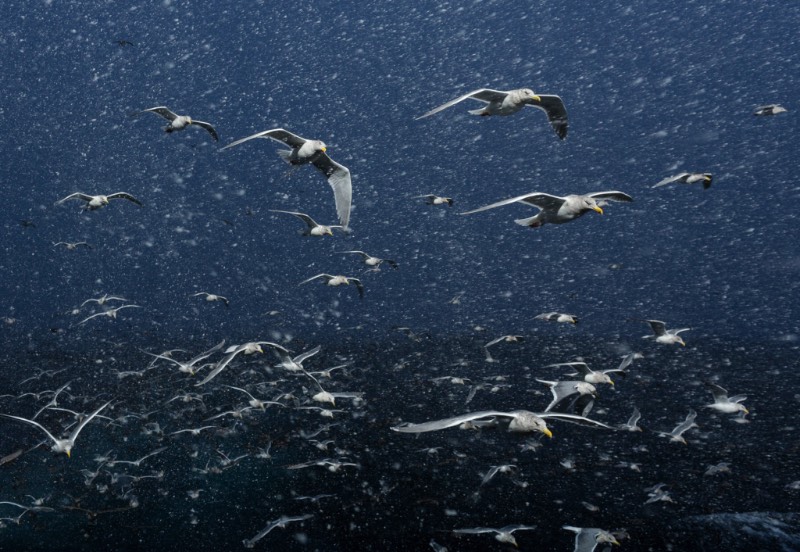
x,y
547,432
598,209
69,454
324,149
536,98
611,382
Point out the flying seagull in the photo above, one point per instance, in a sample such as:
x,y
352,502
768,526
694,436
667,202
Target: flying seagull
x,y
663,335
688,178
62,445
94,202
212,297
725,404
557,317
587,538
314,228
771,109
503,534
558,210
508,102
433,199
178,122
521,421
338,281
312,151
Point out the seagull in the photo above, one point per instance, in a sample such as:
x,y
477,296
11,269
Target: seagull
x,y
111,313
557,317
633,422
676,435
563,389
508,102
587,538
558,210
522,421
254,402
589,375
189,367
771,109
657,494
296,364
194,431
104,299
232,351
688,178
663,335
212,297
62,445
725,404
137,463
178,122
338,281
373,262
312,151
503,339
436,200
503,534
72,246
314,229
94,202
281,522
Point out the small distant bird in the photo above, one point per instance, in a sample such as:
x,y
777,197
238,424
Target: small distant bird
x,y
432,199
588,538
633,422
688,178
122,43
663,335
178,122
25,223
105,298
771,109
501,339
312,151
556,209
561,390
72,246
281,522
589,375
94,202
338,281
676,435
557,317
314,229
508,102
213,297
503,534
111,313
725,404
373,262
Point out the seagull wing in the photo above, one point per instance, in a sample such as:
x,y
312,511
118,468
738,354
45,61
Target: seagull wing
x,y
339,178
31,422
574,419
671,179
278,134
542,201
359,286
299,359
211,130
204,355
556,113
323,275
436,425
302,216
85,421
720,393
685,425
483,94
581,367
658,327
76,195
612,196
161,110
221,365
125,195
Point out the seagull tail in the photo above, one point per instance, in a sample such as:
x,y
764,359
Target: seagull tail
x,y
476,111
286,155
532,222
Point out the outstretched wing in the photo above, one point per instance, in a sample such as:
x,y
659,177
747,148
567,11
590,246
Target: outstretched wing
x,y
161,110
611,196
540,200
76,195
31,422
125,195
339,178
85,421
556,113
574,419
436,425
323,275
211,130
659,328
278,134
671,179
302,216
483,94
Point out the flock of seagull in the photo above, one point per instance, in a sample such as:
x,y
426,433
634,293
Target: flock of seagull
x,y
572,399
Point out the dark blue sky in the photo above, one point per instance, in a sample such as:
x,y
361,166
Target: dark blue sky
x,y
651,90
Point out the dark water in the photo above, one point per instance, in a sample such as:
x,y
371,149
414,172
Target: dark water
x,y
400,497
